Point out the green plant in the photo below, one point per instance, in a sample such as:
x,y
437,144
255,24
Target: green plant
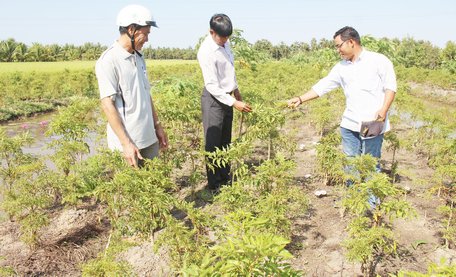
x,y
235,155
244,51
322,114
264,123
252,255
29,204
449,230
15,160
7,271
443,269
274,174
88,175
330,160
368,244
72,125
107,263
391,205
186,241
138,200
370,237
23,201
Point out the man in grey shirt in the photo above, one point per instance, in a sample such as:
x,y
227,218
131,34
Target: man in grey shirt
x,y
133,125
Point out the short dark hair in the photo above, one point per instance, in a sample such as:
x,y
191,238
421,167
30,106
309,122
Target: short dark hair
x,y
221,24
347,33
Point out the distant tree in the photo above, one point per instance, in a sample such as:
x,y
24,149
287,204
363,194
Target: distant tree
x,y
299,47
281,51
383,46
449,52
244,51
263,45
314,44
54,52
412,53
325,43
36,53
20,52
448,56
91,51
7,48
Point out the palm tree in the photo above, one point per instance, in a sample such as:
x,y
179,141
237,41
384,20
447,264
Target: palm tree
x,y
7,48
54,52
36,53
20,52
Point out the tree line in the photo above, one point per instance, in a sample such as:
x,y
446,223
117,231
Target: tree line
x,y
407,51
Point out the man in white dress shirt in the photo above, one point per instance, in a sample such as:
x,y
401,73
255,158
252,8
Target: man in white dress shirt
x,y
220,93
369,85
133,125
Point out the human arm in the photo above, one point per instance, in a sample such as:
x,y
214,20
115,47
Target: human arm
x,y
389,97
296,101
130,151
159,131
238,104
325,85
388,76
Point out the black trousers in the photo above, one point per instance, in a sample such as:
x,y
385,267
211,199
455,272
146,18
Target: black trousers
x,y
217,124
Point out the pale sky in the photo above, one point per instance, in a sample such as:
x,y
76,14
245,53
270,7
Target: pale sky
x,y
183,22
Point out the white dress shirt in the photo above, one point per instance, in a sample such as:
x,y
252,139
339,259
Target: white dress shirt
x,y
364,82
217,66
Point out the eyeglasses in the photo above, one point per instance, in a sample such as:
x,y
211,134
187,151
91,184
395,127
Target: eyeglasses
x,y
340,45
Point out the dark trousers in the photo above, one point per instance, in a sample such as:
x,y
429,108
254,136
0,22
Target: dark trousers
x,y
217,124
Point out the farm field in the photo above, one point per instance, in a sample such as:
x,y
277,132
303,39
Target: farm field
x,y
93,216
71,65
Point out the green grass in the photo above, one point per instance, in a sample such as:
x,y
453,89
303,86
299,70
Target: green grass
x,y
71,65
45,66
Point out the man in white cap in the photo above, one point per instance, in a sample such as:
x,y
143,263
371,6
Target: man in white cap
x,y
133,125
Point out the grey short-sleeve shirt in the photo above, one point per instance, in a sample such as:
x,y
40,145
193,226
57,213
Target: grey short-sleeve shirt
x,y
123,76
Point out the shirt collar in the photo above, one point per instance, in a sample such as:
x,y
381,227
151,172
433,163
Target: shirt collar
x,y
360,57
122,52
362,54
214,46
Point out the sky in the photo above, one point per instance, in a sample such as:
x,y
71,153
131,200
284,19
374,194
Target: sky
x,y
183,22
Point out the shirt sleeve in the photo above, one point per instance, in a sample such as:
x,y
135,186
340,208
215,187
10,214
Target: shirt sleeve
x,y
388,75
328,83
107,79
209,70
